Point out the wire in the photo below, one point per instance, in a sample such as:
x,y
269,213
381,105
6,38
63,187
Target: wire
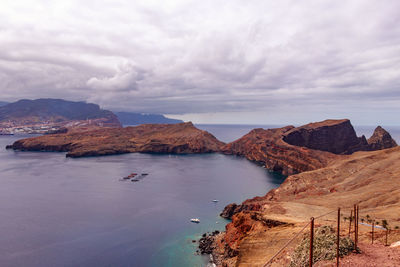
x,y
287,243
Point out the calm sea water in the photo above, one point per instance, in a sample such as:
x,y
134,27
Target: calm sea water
x,y
57,211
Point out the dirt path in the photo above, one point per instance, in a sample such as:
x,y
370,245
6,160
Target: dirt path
x,y
373,255
376,255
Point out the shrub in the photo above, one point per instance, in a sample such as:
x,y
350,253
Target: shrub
x,y
385,224
324,247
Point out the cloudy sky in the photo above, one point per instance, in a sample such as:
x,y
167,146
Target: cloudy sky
x,y
208,61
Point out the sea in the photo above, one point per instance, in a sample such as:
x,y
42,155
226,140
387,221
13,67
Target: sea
x,y
58,211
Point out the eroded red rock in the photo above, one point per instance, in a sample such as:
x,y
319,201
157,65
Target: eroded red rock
x,y
149,138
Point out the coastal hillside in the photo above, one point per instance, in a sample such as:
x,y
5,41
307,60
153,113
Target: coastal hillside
x,y
368,178
148,138
54,110
53,115
131,118
2,103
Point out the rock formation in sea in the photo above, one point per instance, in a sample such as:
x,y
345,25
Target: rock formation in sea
x,y
149,138
381,139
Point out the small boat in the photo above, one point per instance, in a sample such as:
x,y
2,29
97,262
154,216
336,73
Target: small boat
x,y
195,220
135,180
132,175
215,200
144,174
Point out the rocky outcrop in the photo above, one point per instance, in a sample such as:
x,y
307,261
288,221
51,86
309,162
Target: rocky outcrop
x,y
229,211
149,138
268,148
233,208
381,139
206,242
336,136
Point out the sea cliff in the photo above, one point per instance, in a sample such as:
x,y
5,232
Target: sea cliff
x,y
292,150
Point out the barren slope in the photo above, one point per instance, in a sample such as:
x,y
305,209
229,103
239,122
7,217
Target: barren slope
x,y
370,179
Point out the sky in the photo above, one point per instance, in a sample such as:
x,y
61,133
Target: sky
x,y
208,61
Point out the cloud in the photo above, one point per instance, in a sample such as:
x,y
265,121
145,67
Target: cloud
x,y
125,79
206,57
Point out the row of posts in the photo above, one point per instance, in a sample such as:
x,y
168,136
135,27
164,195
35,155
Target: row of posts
x,y
356,214
356,225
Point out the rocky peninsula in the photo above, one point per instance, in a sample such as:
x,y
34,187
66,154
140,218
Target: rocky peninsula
x,y
292,150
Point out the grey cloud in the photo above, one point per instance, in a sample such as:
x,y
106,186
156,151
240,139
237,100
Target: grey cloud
x,y
126,79
204,56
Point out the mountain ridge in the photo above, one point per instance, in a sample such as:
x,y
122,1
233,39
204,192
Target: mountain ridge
x,y
49,109
133,118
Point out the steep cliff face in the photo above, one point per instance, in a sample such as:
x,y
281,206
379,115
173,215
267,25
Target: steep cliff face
x,y
381,139
292,150
150,138
269,148
336,136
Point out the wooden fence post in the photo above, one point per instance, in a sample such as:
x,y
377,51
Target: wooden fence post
x,y
351,218
358,218
373,226
338,238
386,243
311,241
355,227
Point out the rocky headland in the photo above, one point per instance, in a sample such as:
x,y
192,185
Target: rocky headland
x,y
147,138
292,150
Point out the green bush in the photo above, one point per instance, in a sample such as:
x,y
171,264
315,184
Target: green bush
x,y
385,224
324,247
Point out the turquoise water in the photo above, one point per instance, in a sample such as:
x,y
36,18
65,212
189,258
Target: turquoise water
x,y
58,211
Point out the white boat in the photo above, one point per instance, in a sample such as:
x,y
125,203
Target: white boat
x,y
215,200
195,220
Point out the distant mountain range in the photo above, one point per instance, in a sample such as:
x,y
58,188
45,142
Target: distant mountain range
x,y
58,110
130,118
55,110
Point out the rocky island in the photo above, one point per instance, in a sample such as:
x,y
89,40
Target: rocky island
x,y
147,138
